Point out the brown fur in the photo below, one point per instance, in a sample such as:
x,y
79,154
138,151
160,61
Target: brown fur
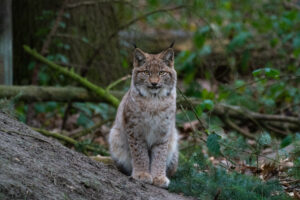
x,y
143,140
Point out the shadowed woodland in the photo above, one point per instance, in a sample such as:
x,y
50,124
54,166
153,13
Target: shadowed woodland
x,y
65,65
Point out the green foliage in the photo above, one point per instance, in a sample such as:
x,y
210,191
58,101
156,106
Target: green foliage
x,y
286,141
7,105
88,110
295,156
196,177
268,72
213,145
264,139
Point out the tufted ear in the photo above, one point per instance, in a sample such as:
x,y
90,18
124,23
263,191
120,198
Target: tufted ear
x,y
168,57
139,57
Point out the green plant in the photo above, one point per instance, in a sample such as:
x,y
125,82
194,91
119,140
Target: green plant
x,y
197,177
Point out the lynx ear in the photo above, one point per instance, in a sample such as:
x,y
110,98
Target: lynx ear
x,y
168,57
139,57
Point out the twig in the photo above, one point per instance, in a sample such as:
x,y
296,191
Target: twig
x,y
104,159
193,109
275,130
70,73
66,113
188,118
115,83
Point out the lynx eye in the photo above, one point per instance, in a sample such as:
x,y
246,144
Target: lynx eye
x,y
146,72
162,73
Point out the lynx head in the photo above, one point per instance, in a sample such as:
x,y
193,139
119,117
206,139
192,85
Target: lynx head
x,y
154,74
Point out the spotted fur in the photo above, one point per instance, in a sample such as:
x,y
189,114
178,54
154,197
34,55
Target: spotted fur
x,y
143,140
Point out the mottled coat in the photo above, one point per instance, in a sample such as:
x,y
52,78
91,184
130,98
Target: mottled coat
x,y
143,140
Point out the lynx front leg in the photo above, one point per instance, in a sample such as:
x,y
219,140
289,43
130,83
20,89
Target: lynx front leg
x,y
140,159
159,164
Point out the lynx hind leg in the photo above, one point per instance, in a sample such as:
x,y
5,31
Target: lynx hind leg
x,y
172,165
119,151
172,161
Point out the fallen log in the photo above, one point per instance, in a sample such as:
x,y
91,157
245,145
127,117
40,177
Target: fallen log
x,y
32,93
77,94
36,167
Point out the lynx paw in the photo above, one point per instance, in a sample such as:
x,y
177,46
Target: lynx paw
x,y
161,181
143,176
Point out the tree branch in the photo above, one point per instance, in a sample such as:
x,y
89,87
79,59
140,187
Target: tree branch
x,y
232,125
71,74
69,140
115,83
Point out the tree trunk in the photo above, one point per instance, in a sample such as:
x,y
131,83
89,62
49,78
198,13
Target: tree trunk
x,y
29,28
88,30
5,43
36,167
83,29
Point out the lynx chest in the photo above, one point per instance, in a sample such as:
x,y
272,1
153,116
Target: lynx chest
x,y
156,121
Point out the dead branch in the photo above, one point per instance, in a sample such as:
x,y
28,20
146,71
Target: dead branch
x,y
232,125
275,130
236,111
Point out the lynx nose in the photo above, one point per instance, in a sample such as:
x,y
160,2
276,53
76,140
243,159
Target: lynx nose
x,y
154,84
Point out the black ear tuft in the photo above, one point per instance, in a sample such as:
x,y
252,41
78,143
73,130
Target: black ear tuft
x,y
134,45
168,57
172,44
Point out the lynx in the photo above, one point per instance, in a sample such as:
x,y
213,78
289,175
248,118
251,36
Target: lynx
x,y
143,140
